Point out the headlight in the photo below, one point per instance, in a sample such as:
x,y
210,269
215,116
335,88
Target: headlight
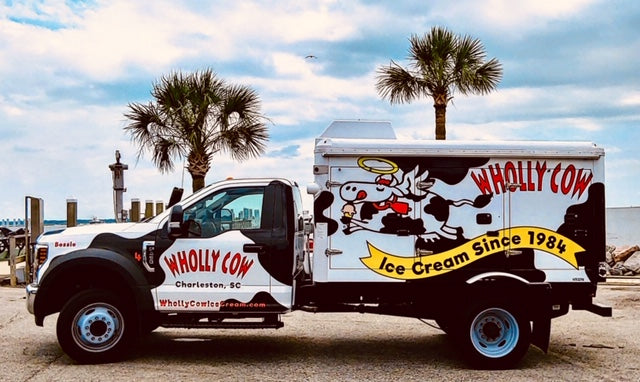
x,y
42,253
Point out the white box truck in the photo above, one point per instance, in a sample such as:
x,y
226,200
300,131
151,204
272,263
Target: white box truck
x,y
489,239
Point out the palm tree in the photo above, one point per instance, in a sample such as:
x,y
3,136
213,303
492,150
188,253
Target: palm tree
x,y
195,116
440,63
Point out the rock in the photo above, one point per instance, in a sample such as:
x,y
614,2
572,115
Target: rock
x,y
608,257
633,262
615,272
599,346
623,253
618,269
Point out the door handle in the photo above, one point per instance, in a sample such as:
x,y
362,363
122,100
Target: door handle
x,y
254,248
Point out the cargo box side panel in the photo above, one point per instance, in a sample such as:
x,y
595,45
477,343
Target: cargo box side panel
x,y
399,218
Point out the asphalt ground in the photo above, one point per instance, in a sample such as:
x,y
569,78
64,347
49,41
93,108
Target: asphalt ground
x,y
330,347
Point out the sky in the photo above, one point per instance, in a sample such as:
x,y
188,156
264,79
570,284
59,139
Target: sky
x,y
69,69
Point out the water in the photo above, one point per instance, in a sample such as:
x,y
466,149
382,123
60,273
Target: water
x,y
49,225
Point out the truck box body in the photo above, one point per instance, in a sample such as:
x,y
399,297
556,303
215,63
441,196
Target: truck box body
x,y
394,211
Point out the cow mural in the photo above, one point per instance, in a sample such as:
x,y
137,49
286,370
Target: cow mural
x,y
387,202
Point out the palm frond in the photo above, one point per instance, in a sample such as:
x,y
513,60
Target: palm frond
x,y
194,116
487,77
397,84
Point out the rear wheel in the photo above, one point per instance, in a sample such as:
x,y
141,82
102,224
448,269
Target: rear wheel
x,y
495,336
95,326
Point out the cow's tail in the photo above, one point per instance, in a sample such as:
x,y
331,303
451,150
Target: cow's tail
x,y
461,202
480,202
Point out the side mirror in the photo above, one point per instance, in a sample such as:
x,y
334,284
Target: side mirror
x,y
174,226
176,196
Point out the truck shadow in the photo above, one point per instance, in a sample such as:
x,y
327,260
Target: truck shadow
x,y
263,348
180,347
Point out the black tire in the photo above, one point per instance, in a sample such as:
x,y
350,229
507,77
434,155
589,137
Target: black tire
x,y
494,335
96,326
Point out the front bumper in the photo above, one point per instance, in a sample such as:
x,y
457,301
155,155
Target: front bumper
x,y
31,289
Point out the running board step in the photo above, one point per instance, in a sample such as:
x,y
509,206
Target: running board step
x,y
223,324
254,322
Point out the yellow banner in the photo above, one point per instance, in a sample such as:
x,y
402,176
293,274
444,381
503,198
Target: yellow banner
x,y
420,267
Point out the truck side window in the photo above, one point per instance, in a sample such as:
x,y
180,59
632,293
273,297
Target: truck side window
x,y
232,208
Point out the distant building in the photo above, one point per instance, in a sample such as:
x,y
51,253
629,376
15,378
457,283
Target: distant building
x,y
623,226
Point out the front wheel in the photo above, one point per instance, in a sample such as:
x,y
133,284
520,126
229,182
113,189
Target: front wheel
x,y
95,326
495,336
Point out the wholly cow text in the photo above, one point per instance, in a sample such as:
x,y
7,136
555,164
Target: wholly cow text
x,y
527,176
206,260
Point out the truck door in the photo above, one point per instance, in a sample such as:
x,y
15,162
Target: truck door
x,y
217,264
370,209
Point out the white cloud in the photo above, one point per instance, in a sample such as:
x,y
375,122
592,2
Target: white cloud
x,y
299,92
630,99
514,16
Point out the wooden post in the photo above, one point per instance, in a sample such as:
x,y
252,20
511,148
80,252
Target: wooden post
x,y
72,212
34,229
135,210
159,206
148,209
12,261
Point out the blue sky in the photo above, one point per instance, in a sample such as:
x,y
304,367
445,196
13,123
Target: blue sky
x,y
68,69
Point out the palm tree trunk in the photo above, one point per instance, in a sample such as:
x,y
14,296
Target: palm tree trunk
x,y
197,182
198,165
441,120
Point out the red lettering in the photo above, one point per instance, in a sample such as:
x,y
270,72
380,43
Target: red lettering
x,y
567,182
215,255
530,186
205,260
554,184
225,269
521,177
581,183
540,170
482,181
172,264
510,173
182,259
193,260
235,263
563,180
244,267
496,177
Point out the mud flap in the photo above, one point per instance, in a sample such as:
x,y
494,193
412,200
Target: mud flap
x,y
541,333
542,314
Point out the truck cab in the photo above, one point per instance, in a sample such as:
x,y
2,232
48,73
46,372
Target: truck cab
x,y
223,257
